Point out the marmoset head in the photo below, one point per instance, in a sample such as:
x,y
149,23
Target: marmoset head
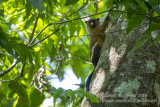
x,y
92,23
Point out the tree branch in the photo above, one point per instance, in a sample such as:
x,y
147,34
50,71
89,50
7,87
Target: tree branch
x,y
35,24
78,9
80,17
78,56
45,38
9,69
32,41
16,78
38,35
15,60
80,60
61,22
49,25
5,54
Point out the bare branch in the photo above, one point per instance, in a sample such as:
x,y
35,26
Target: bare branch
x,y
78,56
65,15
5,54
35,24
79,9
38,34
80,17
61,22
9,69
45,38
16,78
54,31
80,60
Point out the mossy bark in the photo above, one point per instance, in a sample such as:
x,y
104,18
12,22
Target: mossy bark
x,y
125,77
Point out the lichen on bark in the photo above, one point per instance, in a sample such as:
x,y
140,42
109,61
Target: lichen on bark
x,y
134,73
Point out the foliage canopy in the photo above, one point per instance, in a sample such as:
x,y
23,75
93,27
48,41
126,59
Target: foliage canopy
x,y
44,37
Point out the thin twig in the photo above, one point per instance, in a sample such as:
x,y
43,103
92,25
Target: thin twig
x,y
5,54
16,78
80,60
9,69
78,56
54,31
79,9
83,42
35,24
155,44
10,80
45,38
65,14
61,22
38,34
80,18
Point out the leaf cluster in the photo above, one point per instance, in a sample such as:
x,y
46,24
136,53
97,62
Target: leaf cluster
x,y
39,38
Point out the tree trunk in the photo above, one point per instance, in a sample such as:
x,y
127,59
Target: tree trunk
x,y
125,78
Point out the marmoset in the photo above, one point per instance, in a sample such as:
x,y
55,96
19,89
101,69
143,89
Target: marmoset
x,y
97,37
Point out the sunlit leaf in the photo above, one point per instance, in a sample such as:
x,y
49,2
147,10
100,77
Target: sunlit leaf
x,y
10,103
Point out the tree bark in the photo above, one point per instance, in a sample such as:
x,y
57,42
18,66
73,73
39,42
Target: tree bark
x,y
125,78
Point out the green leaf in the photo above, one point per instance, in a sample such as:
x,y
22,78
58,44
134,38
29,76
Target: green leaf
x,y
153,2
57,94
36,98
153,27
141,42
109,4
38,4
134,21
155,40
142,4
4,42
2,12
29,21
132,4
92,97
155,8
17,88
28,10
10,103
152,6
69,2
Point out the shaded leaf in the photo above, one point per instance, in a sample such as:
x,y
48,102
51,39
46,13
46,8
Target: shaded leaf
x,y
69,2
141,42
153,27
29,21
132,4
36,98
134,21
155,40
28,10
38,4
89,95
142,4
109,4
18,89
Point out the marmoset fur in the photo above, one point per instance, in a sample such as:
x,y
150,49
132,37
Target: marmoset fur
x,y
97,37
